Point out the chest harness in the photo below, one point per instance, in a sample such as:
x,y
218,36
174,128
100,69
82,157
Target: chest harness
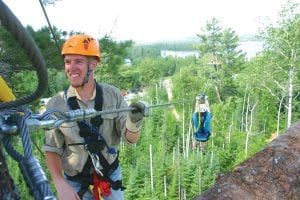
x,y
94,144
201,120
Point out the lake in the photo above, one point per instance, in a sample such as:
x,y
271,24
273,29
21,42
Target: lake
x,y
251,48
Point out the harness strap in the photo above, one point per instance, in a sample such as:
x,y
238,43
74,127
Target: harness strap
x,y
201,127
201,135
82,191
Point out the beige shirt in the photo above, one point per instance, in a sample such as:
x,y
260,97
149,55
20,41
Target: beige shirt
x,y
112,129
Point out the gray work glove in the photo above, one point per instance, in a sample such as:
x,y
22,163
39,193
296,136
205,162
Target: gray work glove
x,y
141,111
134,122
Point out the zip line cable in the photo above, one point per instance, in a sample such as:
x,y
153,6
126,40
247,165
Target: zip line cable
x,y
49,25
53,118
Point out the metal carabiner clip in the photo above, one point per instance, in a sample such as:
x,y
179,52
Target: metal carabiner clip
x,y
96,162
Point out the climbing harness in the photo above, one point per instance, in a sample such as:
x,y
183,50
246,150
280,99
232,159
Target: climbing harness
x,y
94,144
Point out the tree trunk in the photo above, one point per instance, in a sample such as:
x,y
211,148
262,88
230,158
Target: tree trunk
x,y
273,173
8,190
278,115
218,94
151,169
290,96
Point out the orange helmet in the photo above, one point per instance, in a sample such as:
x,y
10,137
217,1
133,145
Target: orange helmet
x,y
82,45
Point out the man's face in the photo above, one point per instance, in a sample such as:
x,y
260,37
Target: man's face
x,y
76,67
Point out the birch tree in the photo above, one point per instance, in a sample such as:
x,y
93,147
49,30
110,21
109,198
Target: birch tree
x,y
282,46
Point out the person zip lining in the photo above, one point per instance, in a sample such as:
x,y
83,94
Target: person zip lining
x,y
201,119
84,154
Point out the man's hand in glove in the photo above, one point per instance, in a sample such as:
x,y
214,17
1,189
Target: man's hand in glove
x,y
141,110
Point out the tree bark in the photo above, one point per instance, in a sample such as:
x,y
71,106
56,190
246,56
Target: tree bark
x,y
8,190
271,174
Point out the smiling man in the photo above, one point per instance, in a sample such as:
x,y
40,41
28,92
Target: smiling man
x,y
84,153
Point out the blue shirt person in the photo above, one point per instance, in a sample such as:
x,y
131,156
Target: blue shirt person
x,y
202,126
201,119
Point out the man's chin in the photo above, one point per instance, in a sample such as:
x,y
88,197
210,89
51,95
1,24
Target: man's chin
x,y
76,85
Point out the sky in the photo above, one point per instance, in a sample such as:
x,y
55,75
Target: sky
x,y
146,21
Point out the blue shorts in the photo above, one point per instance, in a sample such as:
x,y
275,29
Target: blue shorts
x,y
201,137
89,195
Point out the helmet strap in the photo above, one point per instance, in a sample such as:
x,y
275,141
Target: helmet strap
x,y
87,76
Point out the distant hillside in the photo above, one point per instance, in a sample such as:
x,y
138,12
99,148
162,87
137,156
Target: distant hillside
x,y
248,43
195,39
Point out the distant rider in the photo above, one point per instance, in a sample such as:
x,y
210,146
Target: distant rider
x,y
202,126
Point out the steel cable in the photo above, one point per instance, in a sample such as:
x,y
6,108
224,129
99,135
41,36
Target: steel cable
x,y
32,172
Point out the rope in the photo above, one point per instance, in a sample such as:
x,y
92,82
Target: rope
x,y
49,24
32,172
13,25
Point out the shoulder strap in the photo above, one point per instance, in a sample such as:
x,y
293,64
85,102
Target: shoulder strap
x,y
97,121
84,130
204,118
201,118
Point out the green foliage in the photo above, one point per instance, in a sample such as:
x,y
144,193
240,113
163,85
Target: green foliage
x,y
24,83
49,47
57,82
229,152
9,47
186,85
112,57
210,41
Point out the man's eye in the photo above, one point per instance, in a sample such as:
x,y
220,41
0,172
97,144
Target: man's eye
x,y
79,62
67,62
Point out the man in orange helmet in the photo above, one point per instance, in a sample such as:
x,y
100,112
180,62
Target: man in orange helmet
x,y
84,153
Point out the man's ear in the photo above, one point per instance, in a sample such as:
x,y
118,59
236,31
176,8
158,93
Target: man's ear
x,y
94,64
